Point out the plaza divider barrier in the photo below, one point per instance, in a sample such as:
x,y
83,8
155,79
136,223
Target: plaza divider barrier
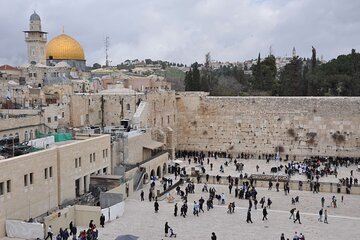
x,y
24,230
113,212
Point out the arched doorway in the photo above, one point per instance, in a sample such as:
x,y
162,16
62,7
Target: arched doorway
x,y
152,173
158,172
164,169
146,178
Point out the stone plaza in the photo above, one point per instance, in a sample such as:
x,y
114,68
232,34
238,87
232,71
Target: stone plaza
x,y
140,219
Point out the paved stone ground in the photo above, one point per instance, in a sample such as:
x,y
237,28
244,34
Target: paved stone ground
x,y
139,217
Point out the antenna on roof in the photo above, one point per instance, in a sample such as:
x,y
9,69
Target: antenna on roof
x,y
63,29
106,51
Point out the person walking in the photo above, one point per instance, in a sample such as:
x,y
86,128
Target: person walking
x,y
142,195
175,209
156,206
325,217
248,217
265,213
213,236
49,233
166,229
320,215
292,215
269,202
297,217
282,237
201,203
102,220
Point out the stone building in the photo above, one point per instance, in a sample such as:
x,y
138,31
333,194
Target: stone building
x,y
32,184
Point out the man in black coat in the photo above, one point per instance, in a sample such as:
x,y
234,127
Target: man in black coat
x,y
102,220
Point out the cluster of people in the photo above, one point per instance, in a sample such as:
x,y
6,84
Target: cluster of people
x,y
321,213
296,236
90,234
295,217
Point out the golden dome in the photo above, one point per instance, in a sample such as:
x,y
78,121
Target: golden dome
x,y
64,47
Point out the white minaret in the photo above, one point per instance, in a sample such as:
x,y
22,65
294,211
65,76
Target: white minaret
x,y
36,41
294,52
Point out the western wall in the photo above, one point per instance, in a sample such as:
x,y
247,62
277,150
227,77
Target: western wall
x,y
297,126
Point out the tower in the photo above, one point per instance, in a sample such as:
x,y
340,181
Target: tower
x,y
35,40
294,52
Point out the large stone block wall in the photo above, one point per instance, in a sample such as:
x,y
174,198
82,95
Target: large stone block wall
x,y
301,126
162,117
86,108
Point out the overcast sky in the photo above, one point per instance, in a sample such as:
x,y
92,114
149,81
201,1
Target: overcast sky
x,y
185,30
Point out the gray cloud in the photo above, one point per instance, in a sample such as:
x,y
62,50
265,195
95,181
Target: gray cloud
x,y
184,30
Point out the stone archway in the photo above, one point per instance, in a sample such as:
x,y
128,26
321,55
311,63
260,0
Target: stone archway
x,y
158,172
146,178
152,173
164,169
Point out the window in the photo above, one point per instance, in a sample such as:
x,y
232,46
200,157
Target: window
x,y
128,107
79,161
45,173
25,180
8,186
168,119
55,118
105,170
31,178
162,121
90,157
76,162
94,157
26,136
49,119
154,121
1,188
106,153
50,171
62,114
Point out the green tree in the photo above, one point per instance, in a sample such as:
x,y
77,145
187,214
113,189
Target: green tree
x,y
264,74
192,78
96,66
206,74
291,78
